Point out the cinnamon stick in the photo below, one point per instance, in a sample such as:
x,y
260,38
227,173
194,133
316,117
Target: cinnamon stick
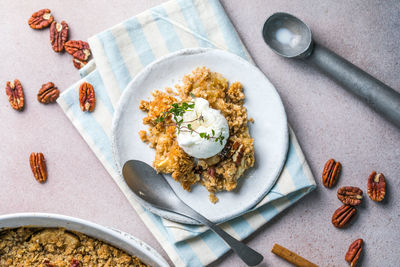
x,y
291,257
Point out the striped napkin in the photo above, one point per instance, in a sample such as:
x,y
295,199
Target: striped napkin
x,y
119,54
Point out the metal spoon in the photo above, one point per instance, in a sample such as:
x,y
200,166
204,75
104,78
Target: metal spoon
x,y
152,187
289,37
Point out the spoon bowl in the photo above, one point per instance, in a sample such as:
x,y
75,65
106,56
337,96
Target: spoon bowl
x,y
287,35
149,185
154,190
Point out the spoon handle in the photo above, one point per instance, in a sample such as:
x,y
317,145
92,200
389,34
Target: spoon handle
x,y
247,254
378,95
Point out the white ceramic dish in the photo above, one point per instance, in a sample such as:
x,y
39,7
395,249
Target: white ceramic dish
x,y
262,101
113,237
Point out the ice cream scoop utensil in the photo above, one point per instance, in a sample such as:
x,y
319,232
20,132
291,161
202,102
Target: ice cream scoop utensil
x,y
290,37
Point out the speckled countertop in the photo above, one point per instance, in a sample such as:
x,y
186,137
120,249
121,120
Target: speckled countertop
x,y
327,120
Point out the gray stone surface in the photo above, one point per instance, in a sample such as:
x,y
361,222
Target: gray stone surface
x,y
327,120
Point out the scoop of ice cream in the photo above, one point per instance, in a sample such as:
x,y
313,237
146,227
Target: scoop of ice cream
x,y
204,121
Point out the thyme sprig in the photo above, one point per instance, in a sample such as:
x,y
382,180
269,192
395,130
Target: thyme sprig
x,y
177,110
207,136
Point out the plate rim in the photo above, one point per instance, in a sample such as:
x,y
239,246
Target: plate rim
x,y
118,112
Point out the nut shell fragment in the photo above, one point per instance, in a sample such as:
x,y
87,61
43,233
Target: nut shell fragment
x,y
353,253
331,173
86,97
79,63
343,215
15,94
48,93
58,35
41,19
38,166
376,186
350,195
78,49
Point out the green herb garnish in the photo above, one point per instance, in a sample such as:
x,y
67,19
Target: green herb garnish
x,y
177,110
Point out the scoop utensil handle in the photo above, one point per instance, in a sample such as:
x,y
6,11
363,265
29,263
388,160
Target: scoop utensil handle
x,y
375,93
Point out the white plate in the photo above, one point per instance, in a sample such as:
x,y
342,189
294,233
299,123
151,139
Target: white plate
x,y
262,101
119,239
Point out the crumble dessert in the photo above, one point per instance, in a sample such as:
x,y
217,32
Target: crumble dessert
x,y
166,121
58,247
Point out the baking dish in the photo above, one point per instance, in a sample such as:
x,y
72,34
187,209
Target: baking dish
x,y
111,236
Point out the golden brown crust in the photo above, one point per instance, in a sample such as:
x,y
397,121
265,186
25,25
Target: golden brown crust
x,y
58,247
217,173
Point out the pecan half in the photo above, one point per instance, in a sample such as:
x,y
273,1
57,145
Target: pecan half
x,y
38,166
75,263
350,195
78,49
48,93
376,186
41,19
15,94
225,152
86,97
331,172
58,35
238,156
353,253
343,215
229,149
79,63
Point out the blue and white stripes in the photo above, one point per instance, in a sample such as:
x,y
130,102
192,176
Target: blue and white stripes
x,y
120,53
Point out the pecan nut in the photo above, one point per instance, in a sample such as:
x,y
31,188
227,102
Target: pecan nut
x,y
38,166
48,93
353,253
75,263
331,173
79,63
41,19
229,150
238,155
376,186
350,195
343,215
15,94
78,49
86,97
58,35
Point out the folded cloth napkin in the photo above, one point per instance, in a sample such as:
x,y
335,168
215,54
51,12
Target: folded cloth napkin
x,y
119,54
